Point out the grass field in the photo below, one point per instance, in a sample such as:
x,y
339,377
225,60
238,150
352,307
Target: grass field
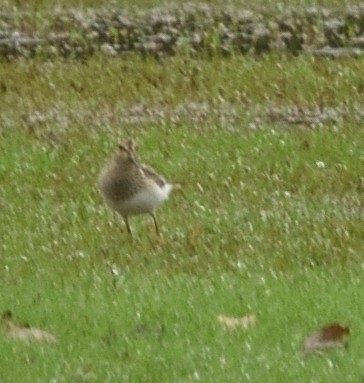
x,y
271,222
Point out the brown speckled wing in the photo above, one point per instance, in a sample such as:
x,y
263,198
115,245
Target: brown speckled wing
x,y
151,173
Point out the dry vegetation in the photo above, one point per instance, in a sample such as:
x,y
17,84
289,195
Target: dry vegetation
x,y
186,29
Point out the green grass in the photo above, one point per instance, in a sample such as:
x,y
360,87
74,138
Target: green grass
x,y
271,222
164,328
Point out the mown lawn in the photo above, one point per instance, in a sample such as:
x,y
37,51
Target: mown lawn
x,y
271,222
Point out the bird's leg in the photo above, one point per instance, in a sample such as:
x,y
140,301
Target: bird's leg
x,y
155,224
127,226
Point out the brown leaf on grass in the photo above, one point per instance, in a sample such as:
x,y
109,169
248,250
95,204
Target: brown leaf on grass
x,y
231,323
329,336
24,333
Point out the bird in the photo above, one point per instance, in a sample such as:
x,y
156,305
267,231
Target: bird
x,y
130,187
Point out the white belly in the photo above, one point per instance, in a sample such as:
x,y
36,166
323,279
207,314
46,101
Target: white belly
x,y
145,201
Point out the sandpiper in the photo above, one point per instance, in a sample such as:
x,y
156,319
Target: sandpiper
x,y
132,188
